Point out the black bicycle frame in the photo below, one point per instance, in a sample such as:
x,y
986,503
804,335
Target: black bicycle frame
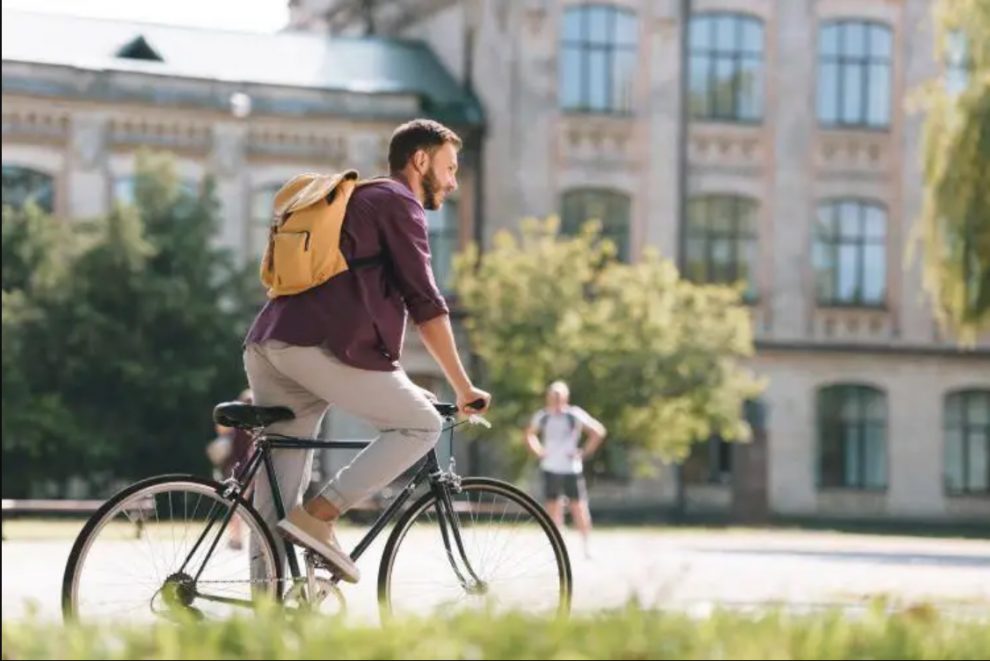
x,y
261,456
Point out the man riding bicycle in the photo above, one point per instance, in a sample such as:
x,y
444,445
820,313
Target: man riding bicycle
x,y
339,344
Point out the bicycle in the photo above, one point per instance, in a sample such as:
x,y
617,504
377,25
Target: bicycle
x,y
474,526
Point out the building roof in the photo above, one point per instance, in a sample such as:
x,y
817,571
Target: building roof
x,y
305,61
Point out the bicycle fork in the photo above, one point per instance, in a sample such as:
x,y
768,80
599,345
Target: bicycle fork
x,y
446,515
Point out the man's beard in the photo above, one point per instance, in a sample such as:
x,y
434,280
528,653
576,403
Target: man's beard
x,y
431,192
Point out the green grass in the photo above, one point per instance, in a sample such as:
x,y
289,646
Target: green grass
x,y
917,633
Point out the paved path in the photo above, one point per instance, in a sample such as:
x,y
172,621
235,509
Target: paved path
x,y
692,569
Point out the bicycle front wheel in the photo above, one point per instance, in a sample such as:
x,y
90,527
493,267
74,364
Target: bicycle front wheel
x,y
498,550
160,549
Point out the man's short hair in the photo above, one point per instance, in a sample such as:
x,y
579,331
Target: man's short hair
x,y
415,135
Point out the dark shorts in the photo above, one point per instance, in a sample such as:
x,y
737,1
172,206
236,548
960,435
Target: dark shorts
x,y
571,485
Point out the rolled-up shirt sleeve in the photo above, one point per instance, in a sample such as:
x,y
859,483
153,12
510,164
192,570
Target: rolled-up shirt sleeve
x,y
407,239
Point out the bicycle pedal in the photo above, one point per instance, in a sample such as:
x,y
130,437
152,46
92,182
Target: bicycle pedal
x,y
317,561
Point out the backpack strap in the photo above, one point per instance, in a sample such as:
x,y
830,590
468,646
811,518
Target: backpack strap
x,y
572,421
542,424
373,260
364,262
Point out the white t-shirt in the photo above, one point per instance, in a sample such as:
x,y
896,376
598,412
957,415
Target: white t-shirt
x,y
560,437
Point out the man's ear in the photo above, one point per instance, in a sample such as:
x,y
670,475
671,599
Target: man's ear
x,y
421,161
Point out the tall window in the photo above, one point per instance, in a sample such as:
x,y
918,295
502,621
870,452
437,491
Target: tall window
x,y
721,240
852,444
444,229
125,189
22,185
608,207
726,61
967,442
262,199
958,62
598,59
709,462
850,253
854,81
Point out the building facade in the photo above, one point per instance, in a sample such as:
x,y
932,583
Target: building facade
x,y
800,176
780,127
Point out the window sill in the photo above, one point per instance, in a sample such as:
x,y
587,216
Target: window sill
x,y
852,307
841,489
724,121
864,128
967,495
577,113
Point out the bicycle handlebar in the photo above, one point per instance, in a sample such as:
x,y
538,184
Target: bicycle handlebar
x,y
447,409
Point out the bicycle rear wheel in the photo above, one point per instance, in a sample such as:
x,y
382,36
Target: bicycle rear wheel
x,y
513,555
160,548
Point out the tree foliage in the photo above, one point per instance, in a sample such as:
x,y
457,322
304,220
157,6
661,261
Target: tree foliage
x,y
119,335
656,358
955,225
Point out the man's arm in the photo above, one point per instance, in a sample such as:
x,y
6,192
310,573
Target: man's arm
x,y
438,336
596,434
407,241
533,442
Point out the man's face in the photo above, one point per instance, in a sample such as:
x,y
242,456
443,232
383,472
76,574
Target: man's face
x,y
556,399
440,178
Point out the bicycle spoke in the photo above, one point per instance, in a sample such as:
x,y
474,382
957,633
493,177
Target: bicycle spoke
x,y
507,543
141,578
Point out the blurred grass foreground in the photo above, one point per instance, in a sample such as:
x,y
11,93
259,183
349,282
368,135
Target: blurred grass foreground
x,y
631,633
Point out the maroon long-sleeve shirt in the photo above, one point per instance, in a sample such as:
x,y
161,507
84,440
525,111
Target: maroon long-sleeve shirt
x,y
360,314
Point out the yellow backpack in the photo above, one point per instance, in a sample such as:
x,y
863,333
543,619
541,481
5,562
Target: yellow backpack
x,y
304,241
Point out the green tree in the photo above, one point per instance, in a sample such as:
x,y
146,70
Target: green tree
x,y
955,224
37,251
120,360
654,356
